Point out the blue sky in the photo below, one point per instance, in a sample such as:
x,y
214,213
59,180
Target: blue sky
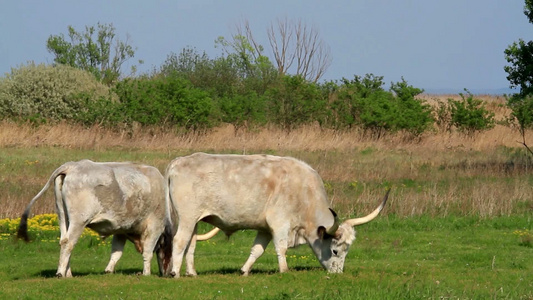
x,y
450,45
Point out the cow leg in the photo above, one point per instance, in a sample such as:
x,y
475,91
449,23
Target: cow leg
x,y
281,250
180,243
117,246
67,243
280,243
260,243
189,256
149,242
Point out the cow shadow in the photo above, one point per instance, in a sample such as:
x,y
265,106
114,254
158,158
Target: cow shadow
x,y
51,273
233,271
263,271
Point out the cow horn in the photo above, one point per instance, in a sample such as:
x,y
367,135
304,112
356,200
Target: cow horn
x,y
333,229
371,216
206,236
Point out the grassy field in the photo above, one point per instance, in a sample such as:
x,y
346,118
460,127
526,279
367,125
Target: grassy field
x,y
458,223
491,182
392,258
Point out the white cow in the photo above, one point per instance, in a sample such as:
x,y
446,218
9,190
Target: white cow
x,y
281,197
126,200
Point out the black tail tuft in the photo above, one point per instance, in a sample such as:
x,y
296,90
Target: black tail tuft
x,y
22,232
164,249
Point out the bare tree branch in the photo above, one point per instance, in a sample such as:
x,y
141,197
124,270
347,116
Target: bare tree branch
x,y
302,44
283,52
523,133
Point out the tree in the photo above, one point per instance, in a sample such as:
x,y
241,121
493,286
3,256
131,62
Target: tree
x,y
296,48
246,52
298,42
96,50
522,112
520,74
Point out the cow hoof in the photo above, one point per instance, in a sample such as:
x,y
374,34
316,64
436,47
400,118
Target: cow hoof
x,y
191,274
244,273
59,275
174,274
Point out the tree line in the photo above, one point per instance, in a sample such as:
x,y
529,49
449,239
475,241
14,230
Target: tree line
x,y
243,87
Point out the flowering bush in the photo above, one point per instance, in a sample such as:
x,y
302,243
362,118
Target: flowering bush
x,y
52,92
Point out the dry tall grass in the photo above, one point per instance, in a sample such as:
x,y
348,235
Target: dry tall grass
x,y
308,138
443,173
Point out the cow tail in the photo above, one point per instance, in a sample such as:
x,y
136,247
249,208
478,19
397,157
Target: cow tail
x,y
172,211
168,233
22,232
164,244
169,210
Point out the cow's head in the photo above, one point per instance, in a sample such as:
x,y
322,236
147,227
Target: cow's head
x,y
333,243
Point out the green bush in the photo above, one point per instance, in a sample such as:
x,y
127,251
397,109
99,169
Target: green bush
x,y
363,102
165,100
522,110
102,111
414,115
348,98
377,113
243,111
469,115
294,102
48,92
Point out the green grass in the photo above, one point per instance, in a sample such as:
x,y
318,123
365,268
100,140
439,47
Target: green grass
x,y
392,258
430,241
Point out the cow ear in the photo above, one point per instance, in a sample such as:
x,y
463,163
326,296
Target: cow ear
x,y
321,232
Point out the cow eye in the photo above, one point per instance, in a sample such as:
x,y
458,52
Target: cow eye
x,y
335,252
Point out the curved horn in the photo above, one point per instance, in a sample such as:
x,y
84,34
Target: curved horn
x,y
371,216
206,236
333,229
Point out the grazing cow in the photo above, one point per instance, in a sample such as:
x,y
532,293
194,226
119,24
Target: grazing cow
x,y
281,197
126,200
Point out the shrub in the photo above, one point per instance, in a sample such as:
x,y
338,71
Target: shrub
x,y
363,102
243,110
102,111
443,116
522,111
377,113
294,102
469,115
347,98
46,91
414,115
165,100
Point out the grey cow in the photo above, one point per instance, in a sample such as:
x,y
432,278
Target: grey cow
x,y
126,200
281,197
